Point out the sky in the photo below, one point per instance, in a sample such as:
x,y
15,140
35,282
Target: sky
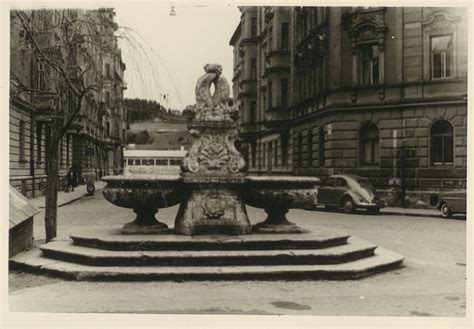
x,y
165,54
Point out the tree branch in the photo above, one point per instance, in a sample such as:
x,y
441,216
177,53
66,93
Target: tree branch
x,y
74,114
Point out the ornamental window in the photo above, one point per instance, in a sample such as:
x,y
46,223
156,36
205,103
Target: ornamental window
x,y
442,143
439,44
441,56
367,31
369,64
369,145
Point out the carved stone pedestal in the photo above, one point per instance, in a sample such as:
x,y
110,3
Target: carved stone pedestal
x,y
145,223
212,211
212,169
277,222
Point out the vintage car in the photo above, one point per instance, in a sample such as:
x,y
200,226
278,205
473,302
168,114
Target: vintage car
x,y
452,202
348,192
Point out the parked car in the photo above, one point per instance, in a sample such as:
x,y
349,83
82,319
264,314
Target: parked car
x,y
348,192
452,202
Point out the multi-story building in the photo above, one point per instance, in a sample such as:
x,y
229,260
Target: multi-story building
x,y
93,143
378,92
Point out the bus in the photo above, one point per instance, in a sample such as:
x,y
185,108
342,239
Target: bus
x,y
153,161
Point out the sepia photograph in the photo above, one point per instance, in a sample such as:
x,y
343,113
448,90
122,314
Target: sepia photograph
x,y
280,162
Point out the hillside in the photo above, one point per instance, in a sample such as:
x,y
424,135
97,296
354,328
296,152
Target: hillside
x,y
159,135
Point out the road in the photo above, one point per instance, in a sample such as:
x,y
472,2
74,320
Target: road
x,y
431,283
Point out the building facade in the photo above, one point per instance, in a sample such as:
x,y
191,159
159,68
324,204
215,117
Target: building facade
x,y
92,146
373,91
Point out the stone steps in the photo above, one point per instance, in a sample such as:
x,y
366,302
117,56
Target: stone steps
x,y
114,240
381,261
66,251
107,255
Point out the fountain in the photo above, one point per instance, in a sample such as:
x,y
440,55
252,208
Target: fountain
x,y
212,238
212,189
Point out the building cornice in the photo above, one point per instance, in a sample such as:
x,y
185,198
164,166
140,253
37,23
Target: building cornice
x,y
371,107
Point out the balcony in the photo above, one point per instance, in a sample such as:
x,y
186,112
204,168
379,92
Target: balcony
x,y
248,88
277,63
249,41
45,104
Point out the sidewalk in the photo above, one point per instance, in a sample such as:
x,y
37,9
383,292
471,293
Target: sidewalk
x,y
399,211
66,198
410,212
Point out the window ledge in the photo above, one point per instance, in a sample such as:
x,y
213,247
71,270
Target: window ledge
x,y
450,165
369,86
441,80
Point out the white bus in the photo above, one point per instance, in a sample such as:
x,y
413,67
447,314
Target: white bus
x,y
153,161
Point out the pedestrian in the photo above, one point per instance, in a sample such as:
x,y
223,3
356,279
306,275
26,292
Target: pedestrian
x,y
70,180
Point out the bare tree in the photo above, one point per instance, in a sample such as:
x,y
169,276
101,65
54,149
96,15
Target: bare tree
x,y
70,46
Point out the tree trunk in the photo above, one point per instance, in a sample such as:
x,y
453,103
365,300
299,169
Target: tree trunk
x,y
52,182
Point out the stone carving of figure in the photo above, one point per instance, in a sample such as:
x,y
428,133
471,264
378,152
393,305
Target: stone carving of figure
x,y
213,107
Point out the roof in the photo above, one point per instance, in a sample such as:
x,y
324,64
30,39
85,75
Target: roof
x,y
235,35
20,208
154,153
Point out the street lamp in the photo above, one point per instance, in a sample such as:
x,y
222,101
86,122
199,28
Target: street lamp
x,y
172,12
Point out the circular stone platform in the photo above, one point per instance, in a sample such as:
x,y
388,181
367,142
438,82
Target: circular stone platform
x,y
111,256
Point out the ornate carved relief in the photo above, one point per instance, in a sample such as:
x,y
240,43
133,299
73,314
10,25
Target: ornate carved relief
x,y
367,26
373,16
440,21
213,206
214,128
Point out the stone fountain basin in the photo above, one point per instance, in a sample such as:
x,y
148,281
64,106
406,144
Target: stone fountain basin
x,y
281,191
162,191
143,191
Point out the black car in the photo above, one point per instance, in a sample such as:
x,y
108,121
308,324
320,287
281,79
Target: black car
x,y
348,192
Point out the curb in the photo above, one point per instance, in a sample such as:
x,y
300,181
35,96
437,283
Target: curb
x,y
65,203
395,213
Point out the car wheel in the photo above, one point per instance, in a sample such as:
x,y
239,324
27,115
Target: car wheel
x,y
348,205
445,211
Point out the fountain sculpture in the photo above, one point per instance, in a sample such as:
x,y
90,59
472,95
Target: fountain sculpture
x,y
212,189
212,238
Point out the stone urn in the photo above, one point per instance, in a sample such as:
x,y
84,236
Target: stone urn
x,y
276,195
145,194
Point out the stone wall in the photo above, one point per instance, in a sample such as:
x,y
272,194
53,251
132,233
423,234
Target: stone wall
x,y
21,237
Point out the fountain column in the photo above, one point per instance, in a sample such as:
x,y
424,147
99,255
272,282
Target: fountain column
x,y
212,171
